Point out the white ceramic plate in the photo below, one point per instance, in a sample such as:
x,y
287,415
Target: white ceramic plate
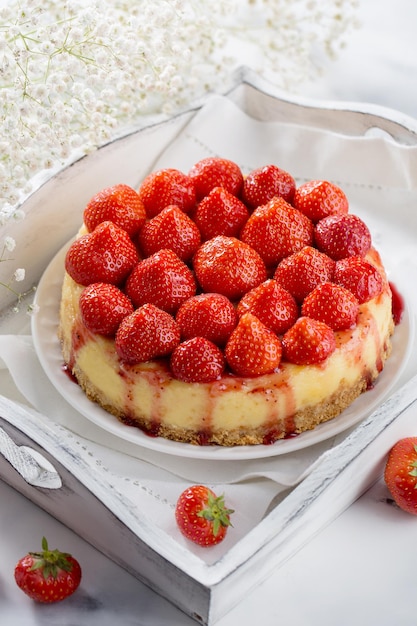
x,y
44,331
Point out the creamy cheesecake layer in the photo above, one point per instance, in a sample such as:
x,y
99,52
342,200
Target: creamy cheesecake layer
x,y
233,410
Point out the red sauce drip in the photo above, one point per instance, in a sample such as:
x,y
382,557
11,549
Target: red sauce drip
x,y
271,437
68,371
203,438
397,304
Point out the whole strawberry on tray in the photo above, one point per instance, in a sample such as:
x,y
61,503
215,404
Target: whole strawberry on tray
x,y
217,307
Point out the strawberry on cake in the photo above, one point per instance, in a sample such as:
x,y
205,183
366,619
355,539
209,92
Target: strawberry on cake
x,y
210,307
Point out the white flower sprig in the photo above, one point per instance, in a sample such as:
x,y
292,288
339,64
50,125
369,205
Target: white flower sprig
x,y
72,77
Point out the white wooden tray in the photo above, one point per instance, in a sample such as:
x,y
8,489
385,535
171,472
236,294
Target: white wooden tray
x,y
85,500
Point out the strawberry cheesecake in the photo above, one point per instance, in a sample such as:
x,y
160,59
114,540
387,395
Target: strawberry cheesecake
x,y
214,308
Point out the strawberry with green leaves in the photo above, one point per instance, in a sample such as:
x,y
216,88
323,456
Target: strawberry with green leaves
x,y
401,474
172,229
277,229
119,204
216,172
161,279
103,306
197,360
308,342
228,266
49,575
319,198
253,349
202,516
264,183
145,334
107,255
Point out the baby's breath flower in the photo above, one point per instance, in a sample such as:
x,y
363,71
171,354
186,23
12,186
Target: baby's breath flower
x,y
73,77
19,274
9,244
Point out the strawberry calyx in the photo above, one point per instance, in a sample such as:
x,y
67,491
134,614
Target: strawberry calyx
x,y
215,511
413,472
50,561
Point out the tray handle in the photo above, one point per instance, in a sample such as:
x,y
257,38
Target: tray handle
x,y
32,466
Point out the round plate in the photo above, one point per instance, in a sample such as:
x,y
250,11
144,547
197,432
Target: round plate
x,y
44,331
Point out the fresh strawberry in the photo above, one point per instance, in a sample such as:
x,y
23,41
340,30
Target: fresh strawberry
x,y
228,266
332,304
161,279
253,349
308,342
172,229
360,277
302,271
273,305
220,213
342,235
145,334
401,474
102,308
216,172
48,576
264,183
276,230
106,255
164,187
209,315
119,204
202,517
197,360
319,198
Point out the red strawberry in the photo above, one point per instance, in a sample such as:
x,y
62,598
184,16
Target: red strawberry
x,y
164,187
48,576
319,198
360,277
197,360
161,279
264,183
171,229
119,204
216,172
145,334
228,266
401,474
273,305
202,517
102,308
340,236
332,304
276,230
107,255
209,315
308,342
300,272
253,349
220,213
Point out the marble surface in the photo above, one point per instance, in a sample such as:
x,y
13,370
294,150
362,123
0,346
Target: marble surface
x,y
358,570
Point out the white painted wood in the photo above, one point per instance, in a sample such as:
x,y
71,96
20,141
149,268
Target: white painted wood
x,y
206,592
